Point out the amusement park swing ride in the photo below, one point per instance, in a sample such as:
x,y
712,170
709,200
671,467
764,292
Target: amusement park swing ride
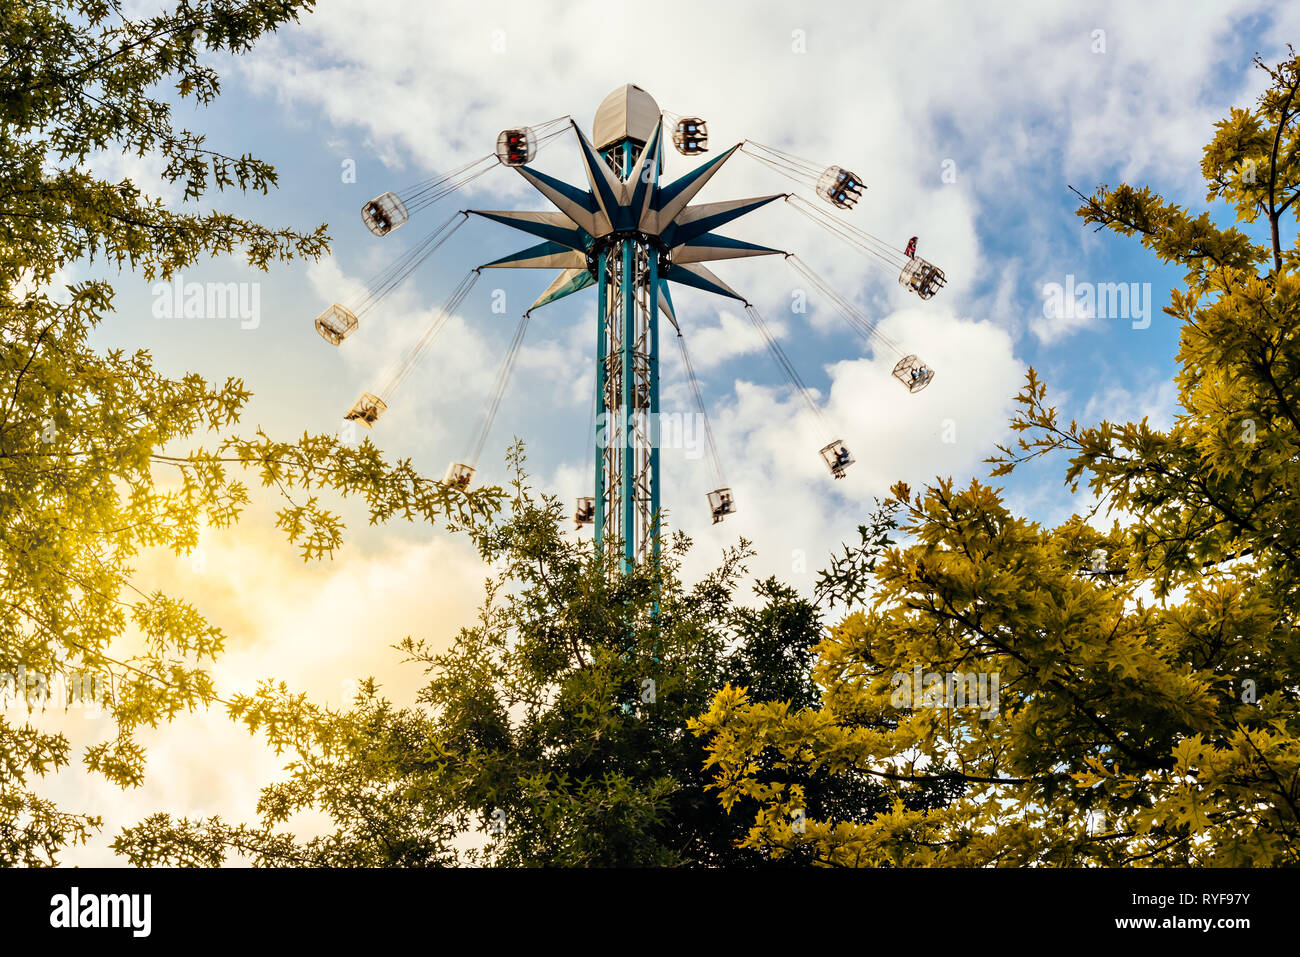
x,y
630,237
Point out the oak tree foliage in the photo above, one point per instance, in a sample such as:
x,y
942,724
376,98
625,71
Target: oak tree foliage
x,y
552,732
102,455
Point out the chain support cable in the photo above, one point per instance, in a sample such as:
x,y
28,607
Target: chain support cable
x,y
792,167
704,415
863,241
857,320
426,192
413,354
388,279
788,368
502,380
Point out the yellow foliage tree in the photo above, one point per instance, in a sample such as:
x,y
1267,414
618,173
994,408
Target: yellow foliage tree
x,y
1108,698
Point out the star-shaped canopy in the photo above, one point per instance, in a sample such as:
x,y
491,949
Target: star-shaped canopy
x,y
585,220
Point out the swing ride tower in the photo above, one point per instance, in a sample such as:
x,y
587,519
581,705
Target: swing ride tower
x,y
630,236
627,345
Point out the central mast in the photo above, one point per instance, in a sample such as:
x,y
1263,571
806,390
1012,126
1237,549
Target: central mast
x,y
627,347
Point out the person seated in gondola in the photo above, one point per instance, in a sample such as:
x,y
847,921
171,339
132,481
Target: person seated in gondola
x,y
380,217
585,514
910,251
517,150
842,455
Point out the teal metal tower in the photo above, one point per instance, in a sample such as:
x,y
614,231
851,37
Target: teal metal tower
x,y
629,236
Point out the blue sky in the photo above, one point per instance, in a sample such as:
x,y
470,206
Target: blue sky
x,y
1021,100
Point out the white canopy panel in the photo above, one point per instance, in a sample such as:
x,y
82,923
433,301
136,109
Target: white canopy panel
x,y
628,112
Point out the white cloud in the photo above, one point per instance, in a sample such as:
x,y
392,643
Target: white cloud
x,y
733,336
318,626
1115,402
1060,316
769,440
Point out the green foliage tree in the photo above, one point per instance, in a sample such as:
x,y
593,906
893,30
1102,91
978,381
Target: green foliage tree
x,y
98,451
556,726
1149,674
